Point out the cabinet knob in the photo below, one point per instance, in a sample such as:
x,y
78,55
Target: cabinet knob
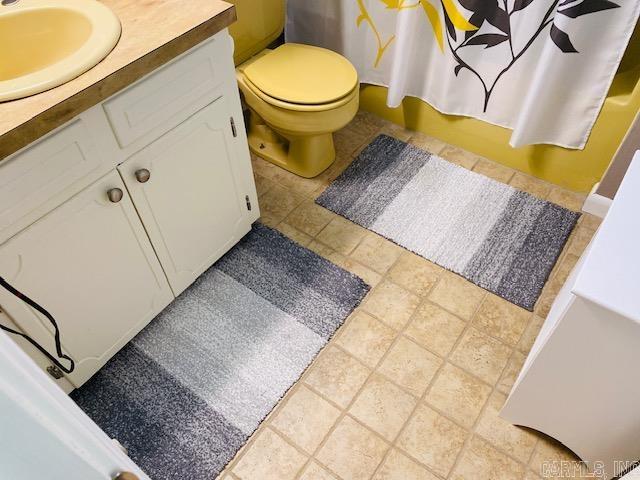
x,y
143,175
126,476
115,195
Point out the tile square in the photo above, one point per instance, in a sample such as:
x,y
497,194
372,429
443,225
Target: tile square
x,y
342,235
269,458
366,338
481,355
277,203
383,407
370,277
547,297
435,329
309,218
337,375
530,334
293,233
325,252
515,441
459,156
415,273
530,475
494,170
559,276
427,143
367,123
510,374
348,140
579,240
410,366
551,460
480,461
397,466
396,131
391,303
433,440
457,295
352,451
532,185
376,252
458,394
266,169
263,184
316,472
590,221
300,185
305,419
567,198
501,319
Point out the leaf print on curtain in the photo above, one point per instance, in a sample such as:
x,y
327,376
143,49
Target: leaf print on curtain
x,y
499,17
453,19
539,67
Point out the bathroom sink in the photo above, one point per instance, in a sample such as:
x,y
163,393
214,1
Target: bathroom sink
x,y
45,43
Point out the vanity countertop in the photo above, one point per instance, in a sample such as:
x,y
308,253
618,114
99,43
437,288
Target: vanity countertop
x,y
153,32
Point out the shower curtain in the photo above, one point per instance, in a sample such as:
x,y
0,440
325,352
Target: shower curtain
x,y
539,67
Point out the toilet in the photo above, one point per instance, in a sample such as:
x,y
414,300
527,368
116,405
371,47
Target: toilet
x,y
297,95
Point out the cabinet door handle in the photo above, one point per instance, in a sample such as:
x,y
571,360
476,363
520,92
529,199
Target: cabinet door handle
x,y
115,195
143,175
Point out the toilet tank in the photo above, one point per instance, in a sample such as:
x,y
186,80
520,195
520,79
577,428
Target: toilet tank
x,y
259,23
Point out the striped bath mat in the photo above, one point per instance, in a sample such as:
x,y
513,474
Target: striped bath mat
x,y
189,390
499,238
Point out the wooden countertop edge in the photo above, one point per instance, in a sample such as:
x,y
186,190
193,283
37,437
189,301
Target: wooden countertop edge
x,y
61,113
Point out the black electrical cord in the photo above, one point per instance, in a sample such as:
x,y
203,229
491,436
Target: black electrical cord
x,y
40,309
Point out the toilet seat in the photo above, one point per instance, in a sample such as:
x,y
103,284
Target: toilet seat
x,y
299,107
302,77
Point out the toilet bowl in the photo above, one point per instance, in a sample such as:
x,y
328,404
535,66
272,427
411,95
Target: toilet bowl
x,y
298,95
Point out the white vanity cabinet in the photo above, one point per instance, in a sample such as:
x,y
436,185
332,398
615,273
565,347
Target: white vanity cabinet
x,y
578,384
190,193
112,215
90,263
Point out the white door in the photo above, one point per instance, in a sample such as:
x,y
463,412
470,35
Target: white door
x,y
193,190
91,265
44,435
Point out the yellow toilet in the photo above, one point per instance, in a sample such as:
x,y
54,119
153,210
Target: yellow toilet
x,y
298,95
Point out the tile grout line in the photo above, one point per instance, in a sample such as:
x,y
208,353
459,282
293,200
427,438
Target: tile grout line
x,y
398,335
345,410
422,399
419,398
231,465
266,422
468,325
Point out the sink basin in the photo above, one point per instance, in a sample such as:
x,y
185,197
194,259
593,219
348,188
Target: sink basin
x,y
45,43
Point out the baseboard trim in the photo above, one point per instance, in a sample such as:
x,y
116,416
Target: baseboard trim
x,y
596,204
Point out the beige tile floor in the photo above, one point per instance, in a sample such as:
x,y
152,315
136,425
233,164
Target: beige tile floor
x,y
411,385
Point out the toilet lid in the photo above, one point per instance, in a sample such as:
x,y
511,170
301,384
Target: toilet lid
x,y
303,74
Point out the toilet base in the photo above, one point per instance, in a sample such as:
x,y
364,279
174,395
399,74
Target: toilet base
x,y
305,155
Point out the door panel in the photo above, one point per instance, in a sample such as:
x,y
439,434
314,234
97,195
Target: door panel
x,y
193,204
90,263
45,435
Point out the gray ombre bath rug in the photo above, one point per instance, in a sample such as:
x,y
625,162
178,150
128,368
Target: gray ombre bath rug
x,y
499,238
186,393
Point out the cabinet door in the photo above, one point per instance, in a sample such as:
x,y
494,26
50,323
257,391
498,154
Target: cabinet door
x,y
91,265
194,203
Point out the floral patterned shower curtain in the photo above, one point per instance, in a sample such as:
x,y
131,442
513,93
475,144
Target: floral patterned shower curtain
x,y
539,67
